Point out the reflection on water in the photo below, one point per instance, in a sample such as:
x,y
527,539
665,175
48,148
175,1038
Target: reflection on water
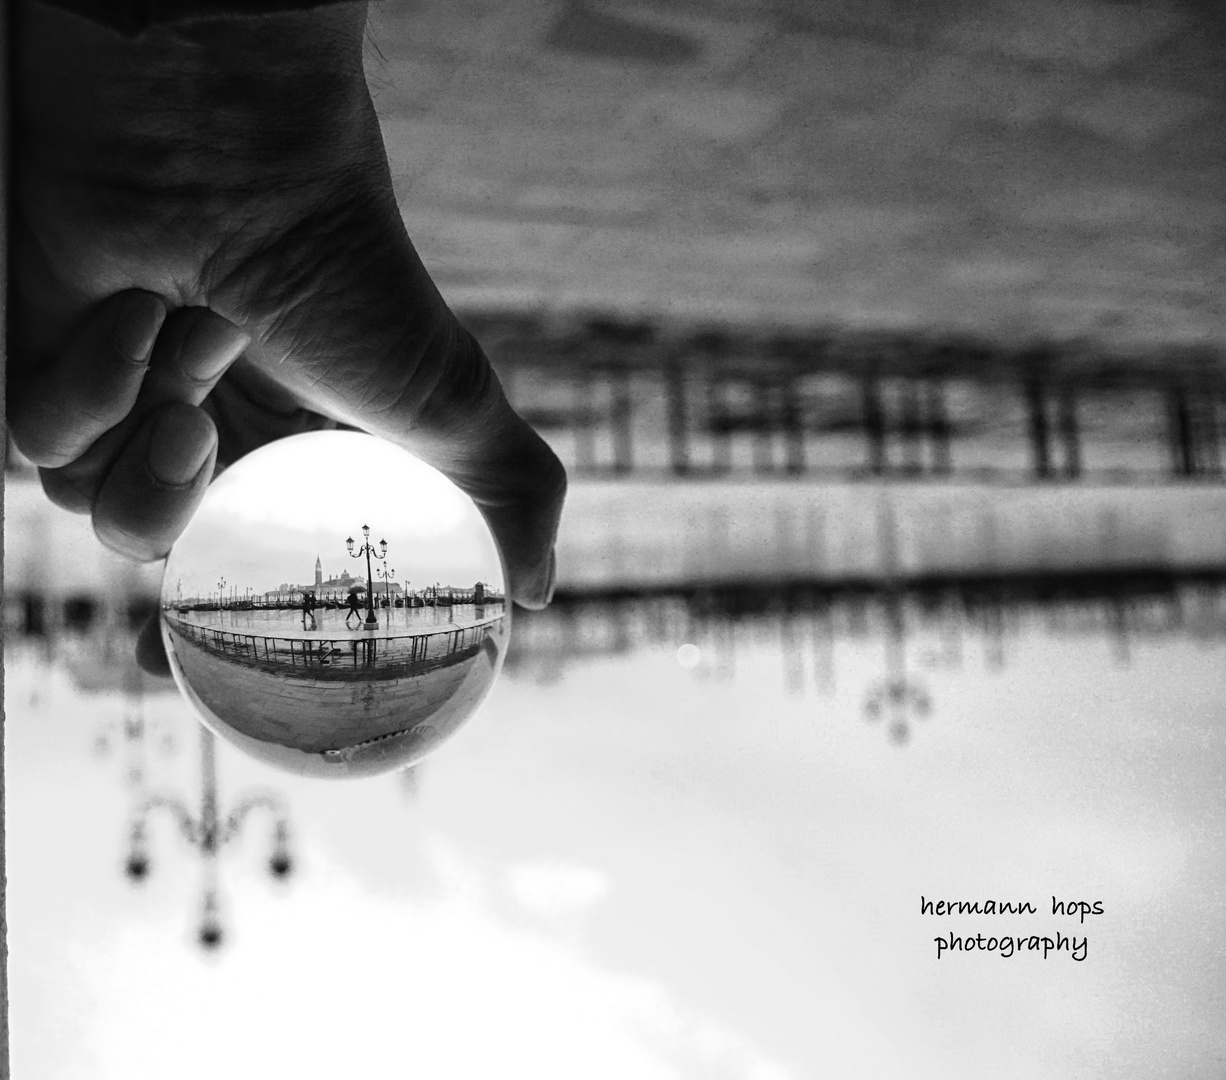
x,y
656,773
138,719
909,630
691,826
335,701
208,832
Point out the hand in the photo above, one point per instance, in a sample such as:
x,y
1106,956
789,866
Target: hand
x,y
234,167
119,408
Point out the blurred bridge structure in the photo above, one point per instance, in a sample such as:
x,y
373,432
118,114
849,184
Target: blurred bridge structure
x,y
647,399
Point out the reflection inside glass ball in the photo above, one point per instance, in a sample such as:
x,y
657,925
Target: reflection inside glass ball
x,y
336,607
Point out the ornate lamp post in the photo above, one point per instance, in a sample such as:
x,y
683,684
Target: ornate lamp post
x,y
367,548
386,575
208,834
221,597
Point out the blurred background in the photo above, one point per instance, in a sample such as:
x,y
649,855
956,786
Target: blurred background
x,y
884,344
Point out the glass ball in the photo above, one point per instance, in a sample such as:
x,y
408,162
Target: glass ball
x,y
336,607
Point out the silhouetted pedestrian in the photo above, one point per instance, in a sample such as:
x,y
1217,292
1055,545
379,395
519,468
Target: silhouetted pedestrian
x,y
355,605
308,610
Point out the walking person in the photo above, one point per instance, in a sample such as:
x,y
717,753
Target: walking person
x,y
355,606
308,610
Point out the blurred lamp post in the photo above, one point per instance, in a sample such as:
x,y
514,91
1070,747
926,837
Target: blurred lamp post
x,y
133,731
208,834
902,698
897,693
367,548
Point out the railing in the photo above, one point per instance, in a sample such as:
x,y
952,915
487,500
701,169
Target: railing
x,y
342,657
1033,419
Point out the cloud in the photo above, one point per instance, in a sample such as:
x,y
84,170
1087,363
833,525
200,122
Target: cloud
x,y
554,889
335,980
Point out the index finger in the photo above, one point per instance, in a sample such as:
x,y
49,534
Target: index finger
x,y
65,403
192,352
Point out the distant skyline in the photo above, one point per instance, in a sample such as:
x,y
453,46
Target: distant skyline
x,y
264,521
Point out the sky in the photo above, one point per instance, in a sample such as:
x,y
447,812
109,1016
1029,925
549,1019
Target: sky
x,y
266,519
635,870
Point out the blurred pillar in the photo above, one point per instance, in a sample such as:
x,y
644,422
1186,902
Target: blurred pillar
x,y
623,431
874,424
717,425
912,428
792,410
938,428
1183,450
1070,434
1040,434
764,427
678,427
585,427
1211,460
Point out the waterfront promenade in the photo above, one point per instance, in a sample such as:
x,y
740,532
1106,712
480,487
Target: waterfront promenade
x,y
330,622
271,642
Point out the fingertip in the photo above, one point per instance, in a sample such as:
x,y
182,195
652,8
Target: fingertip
x,y
64,403
193,351
156,483
535,591
553,576
212,344
151,649
60,488
526,521
138,318
182,441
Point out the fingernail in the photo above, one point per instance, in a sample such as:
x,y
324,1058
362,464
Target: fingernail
x,y
140,318
210,346
178,451
553,576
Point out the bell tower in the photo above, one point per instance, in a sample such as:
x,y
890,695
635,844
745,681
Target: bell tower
x,y
319,576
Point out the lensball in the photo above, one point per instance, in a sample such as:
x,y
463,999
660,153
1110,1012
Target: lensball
x,y
336,608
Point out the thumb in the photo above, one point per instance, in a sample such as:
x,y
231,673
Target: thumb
x,y
344,316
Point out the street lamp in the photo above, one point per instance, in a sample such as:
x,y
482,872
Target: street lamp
x,y
221,597
208,834
366,548
387,575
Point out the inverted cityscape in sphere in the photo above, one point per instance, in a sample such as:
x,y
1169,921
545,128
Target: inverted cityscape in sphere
x,y
336,608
